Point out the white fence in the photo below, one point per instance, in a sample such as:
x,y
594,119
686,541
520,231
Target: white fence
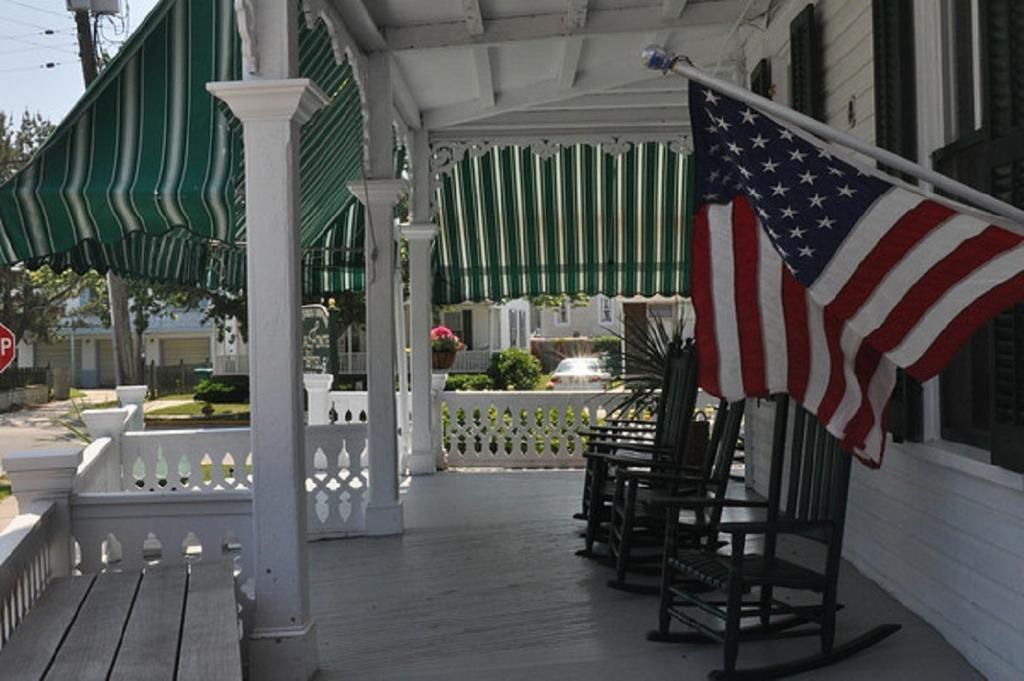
x,y
135,498
466,362
519,429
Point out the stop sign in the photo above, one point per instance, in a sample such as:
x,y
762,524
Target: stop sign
x,y
7,347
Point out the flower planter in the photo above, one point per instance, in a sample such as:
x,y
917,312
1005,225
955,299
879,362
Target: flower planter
x,y
443,360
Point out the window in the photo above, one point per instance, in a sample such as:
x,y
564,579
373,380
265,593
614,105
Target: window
x,y
522,329
982,390
513,329
562,313
606,309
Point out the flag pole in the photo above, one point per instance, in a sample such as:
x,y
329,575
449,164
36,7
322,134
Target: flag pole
x,y
660,59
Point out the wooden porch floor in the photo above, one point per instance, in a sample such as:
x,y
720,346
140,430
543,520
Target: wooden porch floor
x,y
484,585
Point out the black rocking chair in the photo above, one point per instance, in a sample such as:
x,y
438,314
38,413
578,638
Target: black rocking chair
x,y
700,585
664,451
637,524
605,439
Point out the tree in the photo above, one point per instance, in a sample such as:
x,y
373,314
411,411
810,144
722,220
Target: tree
x,y
18,144
34,305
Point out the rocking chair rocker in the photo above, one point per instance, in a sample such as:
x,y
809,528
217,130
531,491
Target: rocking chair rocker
x,y
813,506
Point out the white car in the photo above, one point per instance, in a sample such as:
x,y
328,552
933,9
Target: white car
x,y
580,373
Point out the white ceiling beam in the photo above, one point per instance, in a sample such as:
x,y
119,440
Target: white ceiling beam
x,y
599,77
665,116
474,20
575,14
615,100
544,26
571,49
531,135
672,9
405,104
359,20
484,77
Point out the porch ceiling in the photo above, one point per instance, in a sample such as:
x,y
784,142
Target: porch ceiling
x,y
542,68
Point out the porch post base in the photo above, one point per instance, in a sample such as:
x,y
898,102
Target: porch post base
x,y
285,654
422,463
384,520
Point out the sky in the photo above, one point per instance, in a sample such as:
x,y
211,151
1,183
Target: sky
x,y
25,46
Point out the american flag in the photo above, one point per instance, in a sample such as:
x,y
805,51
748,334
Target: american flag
x,y
818,277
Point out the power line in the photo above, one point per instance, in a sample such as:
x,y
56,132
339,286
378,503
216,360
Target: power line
x,y
46,66
37,9
48,31
26,23
36,48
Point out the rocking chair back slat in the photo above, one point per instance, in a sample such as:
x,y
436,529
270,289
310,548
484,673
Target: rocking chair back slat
x,y
678,400
818,470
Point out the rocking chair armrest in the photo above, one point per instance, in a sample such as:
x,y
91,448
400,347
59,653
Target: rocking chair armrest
x,y
642,447
626,434
644,474
626,425
779,526
704,502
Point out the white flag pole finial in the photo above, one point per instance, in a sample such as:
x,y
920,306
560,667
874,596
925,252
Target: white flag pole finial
x,y
658,58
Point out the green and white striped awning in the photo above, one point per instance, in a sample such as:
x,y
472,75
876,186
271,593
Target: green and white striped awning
x,y
145,176
583,220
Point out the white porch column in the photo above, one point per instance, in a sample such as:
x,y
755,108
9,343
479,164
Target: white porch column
x,y
317,388
402,360
379,192
420,238
283,641
384,510
420,235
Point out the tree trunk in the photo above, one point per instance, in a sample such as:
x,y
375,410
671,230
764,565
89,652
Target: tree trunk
x,y
125,365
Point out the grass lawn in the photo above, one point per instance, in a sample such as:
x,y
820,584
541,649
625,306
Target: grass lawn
x,y
76,394
5,487
196,409
175,396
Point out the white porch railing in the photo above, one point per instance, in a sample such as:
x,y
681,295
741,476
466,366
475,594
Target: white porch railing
x,y
519,429
231,364
24,562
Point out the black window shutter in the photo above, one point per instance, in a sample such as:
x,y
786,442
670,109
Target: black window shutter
x,y
896,130
805,64
1003,118
761,79
895,94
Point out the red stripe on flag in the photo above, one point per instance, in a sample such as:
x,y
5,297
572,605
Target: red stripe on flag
x,y
836,376
946,273
889,251
964,325
703,304
745,232
794,308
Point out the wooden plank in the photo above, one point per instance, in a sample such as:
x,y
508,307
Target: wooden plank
x,y
209,636
149,649
87,653
35,642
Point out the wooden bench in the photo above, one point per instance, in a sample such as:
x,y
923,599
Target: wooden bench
x,y
168,623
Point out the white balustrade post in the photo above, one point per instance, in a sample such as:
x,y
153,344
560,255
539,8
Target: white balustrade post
x,y
111,423
48,476
437,383
282,645
133,394
420,238
317,388
402,360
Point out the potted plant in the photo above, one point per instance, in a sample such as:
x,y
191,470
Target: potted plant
x,y
445,346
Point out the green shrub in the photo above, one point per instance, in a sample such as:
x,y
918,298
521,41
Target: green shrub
x,y
515,369
469,382
223,390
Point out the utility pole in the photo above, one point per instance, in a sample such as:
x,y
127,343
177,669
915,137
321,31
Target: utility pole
x,y
117,289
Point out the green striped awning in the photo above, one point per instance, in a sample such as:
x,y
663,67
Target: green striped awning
x,y
145,176
583,220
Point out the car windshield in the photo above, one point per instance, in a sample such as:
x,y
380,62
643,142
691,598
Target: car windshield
x,y
579,365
